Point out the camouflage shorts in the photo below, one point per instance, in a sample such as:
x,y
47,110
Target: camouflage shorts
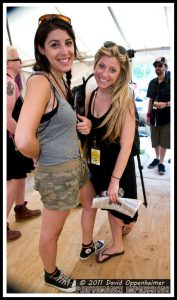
x,y
59,185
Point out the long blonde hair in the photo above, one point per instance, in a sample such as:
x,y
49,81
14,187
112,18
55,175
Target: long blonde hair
x,y
120,94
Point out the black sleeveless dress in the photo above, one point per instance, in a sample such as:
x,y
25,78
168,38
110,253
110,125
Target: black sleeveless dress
x,y
101,175
18,165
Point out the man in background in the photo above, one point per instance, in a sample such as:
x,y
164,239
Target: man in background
x,y
158,115
17,165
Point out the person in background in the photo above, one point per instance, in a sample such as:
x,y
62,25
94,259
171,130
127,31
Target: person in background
x,y
158,115
111,109
46,132
17,166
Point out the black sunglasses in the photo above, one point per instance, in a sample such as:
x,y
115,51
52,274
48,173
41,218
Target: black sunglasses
x,y
15,59
158,65
121,49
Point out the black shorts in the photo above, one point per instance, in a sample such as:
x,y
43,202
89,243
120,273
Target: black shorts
x,y
17,165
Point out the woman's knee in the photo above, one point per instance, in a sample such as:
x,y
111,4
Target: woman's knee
x,y
46,237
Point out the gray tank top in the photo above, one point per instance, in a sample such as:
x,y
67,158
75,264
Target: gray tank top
x,y
57,136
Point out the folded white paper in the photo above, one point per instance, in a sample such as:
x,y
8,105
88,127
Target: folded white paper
x,y
126,206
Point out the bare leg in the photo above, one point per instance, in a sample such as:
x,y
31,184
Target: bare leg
x,y
15,193
117,242
157,151
127,228
52,225
20,192
162,154
12,186
116,229
87,193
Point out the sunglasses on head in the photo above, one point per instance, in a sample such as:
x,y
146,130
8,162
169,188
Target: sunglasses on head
x,y
121,49
158,65
45,18
15,59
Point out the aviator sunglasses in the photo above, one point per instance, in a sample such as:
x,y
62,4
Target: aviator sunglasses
x,y
109,44
45,18
158,65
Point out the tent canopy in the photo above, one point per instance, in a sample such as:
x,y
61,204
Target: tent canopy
x,y
146,28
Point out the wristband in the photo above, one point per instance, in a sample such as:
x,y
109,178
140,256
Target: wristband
x,y
148,115
166,104
115,177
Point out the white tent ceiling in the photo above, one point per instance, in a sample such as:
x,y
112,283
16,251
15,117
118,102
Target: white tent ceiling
x,y
147,28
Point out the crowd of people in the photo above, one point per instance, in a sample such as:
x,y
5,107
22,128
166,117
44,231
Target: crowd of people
x,y
46,129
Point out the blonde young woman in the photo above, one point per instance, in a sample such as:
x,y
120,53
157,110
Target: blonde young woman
x,y
111,109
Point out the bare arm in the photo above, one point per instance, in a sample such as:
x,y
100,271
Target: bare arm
x,y
11,100
36,98
126,142
149,111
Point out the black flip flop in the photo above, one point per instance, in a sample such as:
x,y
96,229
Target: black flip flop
x,y
109,256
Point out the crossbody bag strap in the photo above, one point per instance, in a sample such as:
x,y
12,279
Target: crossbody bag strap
x,y
91,98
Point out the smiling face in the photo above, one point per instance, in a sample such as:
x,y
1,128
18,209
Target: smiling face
x,y
59,50
107,71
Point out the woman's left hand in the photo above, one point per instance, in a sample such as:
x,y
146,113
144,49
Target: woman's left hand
x,y
113,190
84,126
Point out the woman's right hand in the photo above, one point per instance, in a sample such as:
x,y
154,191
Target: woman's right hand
x,y
85,125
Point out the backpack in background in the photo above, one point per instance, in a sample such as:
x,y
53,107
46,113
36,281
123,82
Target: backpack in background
x,y
79,94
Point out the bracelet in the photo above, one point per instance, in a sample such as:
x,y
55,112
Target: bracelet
x,y
166,104
115,177
148,115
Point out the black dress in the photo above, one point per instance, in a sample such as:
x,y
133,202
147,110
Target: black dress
x,y
101,174
18,165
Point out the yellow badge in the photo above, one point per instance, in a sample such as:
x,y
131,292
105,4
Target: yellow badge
x,y
95,157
